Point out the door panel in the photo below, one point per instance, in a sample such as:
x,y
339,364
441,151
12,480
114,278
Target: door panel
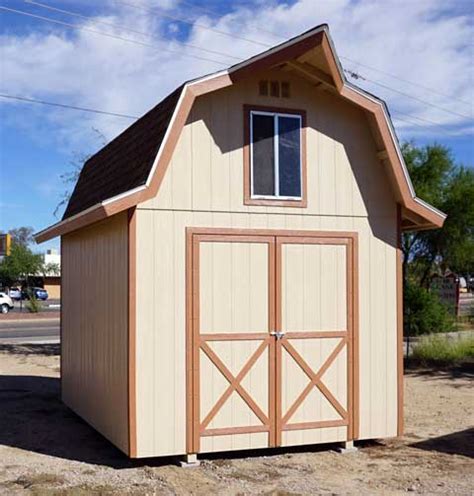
x,y
233,293
312,357
233,287
313,287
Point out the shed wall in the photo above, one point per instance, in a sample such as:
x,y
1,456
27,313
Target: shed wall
x,y
94,327
161,320
203,187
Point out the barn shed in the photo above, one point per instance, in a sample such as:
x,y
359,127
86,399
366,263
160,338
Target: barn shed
x,y
231,264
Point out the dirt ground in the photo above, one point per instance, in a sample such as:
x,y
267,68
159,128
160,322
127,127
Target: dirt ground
x,y
47,450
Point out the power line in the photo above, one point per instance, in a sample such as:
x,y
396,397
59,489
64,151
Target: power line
x,y
108,35
115,114
356,75
352,73
422,126
63,105
404,80
121,26
193,56
279,37
218,14
433,123
191,23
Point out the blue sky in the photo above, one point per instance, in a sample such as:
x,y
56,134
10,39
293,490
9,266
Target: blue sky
x,y
422,49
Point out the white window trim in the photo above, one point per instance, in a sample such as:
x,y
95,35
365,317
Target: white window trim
x,y
276,163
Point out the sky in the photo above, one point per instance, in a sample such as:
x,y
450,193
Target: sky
x,y
125,56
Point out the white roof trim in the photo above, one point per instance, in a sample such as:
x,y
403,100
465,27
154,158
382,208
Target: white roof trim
x,y
122,195
430,207
173,118
90,209
66,221
165,137
382,104
207,78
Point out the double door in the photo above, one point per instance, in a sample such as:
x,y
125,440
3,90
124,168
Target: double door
x,y
271,338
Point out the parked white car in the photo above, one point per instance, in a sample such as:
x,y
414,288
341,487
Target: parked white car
x,y
6,303
15,293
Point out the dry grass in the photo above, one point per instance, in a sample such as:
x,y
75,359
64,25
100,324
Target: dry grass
x,y
437,350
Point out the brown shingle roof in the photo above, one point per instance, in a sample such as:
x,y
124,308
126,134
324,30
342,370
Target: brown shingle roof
x,y
124,163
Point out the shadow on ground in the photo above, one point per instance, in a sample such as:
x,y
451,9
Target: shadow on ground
x,y
447,373
32,417
457,443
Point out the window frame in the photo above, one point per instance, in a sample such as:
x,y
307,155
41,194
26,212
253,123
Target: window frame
x,y
273,200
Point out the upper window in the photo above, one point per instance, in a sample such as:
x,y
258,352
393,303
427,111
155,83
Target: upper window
x,y
276,159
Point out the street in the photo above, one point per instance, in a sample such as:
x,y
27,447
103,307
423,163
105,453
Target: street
x,y
45,330
50,305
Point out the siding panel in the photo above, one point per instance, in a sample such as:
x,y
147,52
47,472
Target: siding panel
x,y
95,326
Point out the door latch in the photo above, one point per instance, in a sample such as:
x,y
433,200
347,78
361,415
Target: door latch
x,y
277,334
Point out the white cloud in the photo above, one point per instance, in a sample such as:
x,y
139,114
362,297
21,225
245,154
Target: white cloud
x,y
417,40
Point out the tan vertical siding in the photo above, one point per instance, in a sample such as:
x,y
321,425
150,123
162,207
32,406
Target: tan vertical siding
x,y
161,385
233,299
347,191
94,326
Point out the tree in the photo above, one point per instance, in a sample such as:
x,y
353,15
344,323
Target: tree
x,y
450,188
424,313
51,269
70,177
456,241
21,263
22,235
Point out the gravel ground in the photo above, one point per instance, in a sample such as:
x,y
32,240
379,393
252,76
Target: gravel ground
x,y
46,450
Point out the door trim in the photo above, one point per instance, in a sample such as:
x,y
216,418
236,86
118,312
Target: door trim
x,y
193,237
197,341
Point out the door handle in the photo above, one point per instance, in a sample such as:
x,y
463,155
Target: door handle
x,y
277,334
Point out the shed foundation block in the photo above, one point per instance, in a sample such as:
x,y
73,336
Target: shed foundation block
x,y
347,447
190,461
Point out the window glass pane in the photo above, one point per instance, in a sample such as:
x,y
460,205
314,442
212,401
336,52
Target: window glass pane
x,y
263,154
289,156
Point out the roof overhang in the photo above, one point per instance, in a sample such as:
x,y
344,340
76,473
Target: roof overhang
x,y
416,214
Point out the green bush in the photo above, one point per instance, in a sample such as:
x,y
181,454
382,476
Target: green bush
x,y
439,350
33,305
424,313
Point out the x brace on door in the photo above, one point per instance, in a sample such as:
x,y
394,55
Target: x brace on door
x,y
315,381
235,385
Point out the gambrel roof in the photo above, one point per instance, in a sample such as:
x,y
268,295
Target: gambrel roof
x,y
129,170
125,163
